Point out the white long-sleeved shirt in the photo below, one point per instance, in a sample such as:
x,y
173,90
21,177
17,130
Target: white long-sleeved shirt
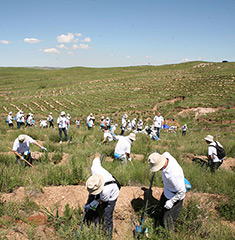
x,y
10,119
123,122
62,122
173,179
123,145
109,192
158,121
22,147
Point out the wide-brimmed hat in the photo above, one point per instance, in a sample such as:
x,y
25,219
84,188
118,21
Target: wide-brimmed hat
x,y
95,184
62,113
22,138
10,113
209,138
156,161
132,136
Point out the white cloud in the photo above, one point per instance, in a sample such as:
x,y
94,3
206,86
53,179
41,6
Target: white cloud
x,y
51,50
128,56
4,42
87,39
80,46
62,46
32,40
69,38
71,53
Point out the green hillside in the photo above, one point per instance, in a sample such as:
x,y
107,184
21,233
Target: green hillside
x,y
200,94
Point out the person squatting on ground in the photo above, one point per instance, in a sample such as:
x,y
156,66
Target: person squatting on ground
x,y
174,190
10,120
123,148
102,188
43,123
140,125
50,120
77,122
107,135
158,123
21,146
62,125
124,123
214,161
102,123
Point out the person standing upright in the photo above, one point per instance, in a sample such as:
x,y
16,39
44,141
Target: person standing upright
x,y
158,123
62,125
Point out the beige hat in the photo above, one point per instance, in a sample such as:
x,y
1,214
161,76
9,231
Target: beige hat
x,y
132,136
62,113
209,138
95,184
156,161
22,138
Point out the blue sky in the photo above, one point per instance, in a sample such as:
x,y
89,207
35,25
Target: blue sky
x,y
107,33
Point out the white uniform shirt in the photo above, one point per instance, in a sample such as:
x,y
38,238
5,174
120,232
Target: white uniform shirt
x,y
109,192
62,122
29,120
158,121
123,145
133,122
22,147
77,122
10,119
50,118
113,128
43,123
123,122
108,135
213,151
173,179
19,117
140,125
108,122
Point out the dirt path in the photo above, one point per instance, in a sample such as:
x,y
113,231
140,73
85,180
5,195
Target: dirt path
x,y
168,101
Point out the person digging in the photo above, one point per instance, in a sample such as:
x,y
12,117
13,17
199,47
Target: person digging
x,y
21,146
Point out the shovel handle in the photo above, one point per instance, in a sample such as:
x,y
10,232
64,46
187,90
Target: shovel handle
x,y
17,154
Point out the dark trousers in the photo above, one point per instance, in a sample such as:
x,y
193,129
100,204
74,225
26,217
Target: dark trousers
x,y
10,125
28,158
51,124
169,216
65,133
18,125
183,133
214,166
103,214
158,131
122,132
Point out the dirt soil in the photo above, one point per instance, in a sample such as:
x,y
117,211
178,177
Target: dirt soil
x,y
76,196
228,163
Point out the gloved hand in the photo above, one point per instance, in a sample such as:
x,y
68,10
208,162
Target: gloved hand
x,y
22,158
44,149
26,153
87,207
129,159
169,204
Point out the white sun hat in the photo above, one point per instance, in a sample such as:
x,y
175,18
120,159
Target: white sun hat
x,y
95,184
156,161
22,138
132,136
209,138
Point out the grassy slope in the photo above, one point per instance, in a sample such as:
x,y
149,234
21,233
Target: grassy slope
x,y
113,91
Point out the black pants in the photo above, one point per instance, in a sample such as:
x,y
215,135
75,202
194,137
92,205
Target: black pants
x,y
158,131
215,165
169,216
103,214
51,124
10,125
28,158
183,133
65,133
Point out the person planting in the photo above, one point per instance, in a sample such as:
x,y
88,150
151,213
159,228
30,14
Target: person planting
x,y
21,146
103,191
62,125
174,190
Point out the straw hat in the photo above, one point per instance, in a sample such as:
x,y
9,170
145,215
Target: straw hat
x,y
156,161
22,138
95,184
132,136
209,138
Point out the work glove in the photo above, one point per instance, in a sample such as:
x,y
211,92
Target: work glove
x,y
129,159
169,204
22,158
93,205
26,153
87,207
44,149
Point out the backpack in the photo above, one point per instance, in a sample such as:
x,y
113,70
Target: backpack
x,y
220,151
